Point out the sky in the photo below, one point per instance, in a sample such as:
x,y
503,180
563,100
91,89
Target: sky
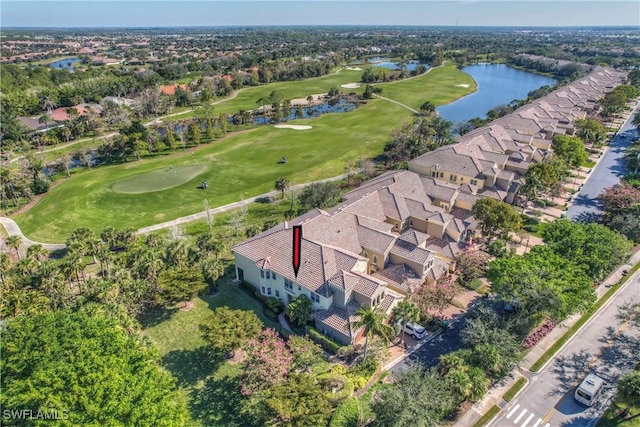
x,y
124,13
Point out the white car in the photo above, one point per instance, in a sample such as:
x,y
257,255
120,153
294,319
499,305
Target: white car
x,y
415,330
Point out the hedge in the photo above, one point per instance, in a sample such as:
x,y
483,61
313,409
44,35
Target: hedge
x,y
324,341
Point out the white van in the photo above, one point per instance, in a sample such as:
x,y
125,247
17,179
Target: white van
x,y
415,330
589,389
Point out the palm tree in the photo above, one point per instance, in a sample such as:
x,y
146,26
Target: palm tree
x,y
427,108
404,312
14,242
373,320
5,265
282,185
37,253
212,270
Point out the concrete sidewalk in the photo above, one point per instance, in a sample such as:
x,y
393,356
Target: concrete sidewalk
x,y
494,395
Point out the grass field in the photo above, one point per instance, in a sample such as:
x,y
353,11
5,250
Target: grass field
x,y
438,86
208,382
160,179
244,164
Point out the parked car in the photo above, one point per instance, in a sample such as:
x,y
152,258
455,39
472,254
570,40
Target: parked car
x,y
416,331
589,389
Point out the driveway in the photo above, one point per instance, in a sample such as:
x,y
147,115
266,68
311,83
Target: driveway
x,y
607,173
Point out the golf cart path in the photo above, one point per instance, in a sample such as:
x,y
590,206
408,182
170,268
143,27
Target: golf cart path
x,y
414,111
14,230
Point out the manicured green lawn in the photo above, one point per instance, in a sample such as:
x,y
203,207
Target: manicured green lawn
x,y
244,163
209,383
439,85
159,179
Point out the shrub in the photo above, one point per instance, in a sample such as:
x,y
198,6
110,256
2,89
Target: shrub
x,y
498,248
275,305
361,373
532,220
539,333
271,314
324,342
474,284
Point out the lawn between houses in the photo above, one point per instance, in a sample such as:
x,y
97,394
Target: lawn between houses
x,y
244,164
209,383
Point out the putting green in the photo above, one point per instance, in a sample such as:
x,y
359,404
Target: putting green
x,y
158,180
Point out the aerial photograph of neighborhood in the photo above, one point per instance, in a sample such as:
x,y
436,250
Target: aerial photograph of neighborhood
x,y
320,213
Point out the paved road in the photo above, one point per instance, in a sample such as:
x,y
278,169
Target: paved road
x,y
428,355
607,173
602,346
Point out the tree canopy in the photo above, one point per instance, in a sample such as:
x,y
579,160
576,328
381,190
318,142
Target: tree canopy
x,y
496,218
542,281
596,249
571,149
86,364
418,398
226,329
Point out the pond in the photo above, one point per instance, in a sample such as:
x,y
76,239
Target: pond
x,y
66,63
498,84
381,61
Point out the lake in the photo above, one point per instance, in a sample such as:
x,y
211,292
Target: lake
x,y
65,63
498,84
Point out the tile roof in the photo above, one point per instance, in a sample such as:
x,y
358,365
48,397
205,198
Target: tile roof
x,y
411,252
338,318
401,277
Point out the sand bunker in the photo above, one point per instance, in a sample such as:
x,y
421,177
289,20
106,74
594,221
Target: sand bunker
x,y
351,85
294,127
463,85
353,68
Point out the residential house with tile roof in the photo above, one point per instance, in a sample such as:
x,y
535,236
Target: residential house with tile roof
x,y
495,158
403,228
375,248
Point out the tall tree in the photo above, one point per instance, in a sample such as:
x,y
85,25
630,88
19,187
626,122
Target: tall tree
x,y
14,242
431,400
92,372
282,185
496,218
373,320
267,362
180,285
226,329
405,311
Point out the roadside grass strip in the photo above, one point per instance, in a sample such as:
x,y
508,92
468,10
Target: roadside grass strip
x,y
487,417
576,326
511,393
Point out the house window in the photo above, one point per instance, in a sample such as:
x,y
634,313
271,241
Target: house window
x,y
274,276
288,285
474,182
268,275
453,178
278,293
268,291
395,226
434,174
262,273
375,259
410,223
441,174
299,288
314,297
364,254
264,291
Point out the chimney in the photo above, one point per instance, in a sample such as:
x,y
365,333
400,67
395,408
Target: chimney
x,y
286,225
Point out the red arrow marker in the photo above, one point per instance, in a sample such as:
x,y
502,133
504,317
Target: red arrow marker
x,y
297,246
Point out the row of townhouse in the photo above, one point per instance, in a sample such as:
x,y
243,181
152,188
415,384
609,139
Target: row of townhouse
x,y
396,231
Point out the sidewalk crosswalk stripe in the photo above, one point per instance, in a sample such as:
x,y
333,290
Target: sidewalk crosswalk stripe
x,y
515,408
524,424
537,422
524,411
